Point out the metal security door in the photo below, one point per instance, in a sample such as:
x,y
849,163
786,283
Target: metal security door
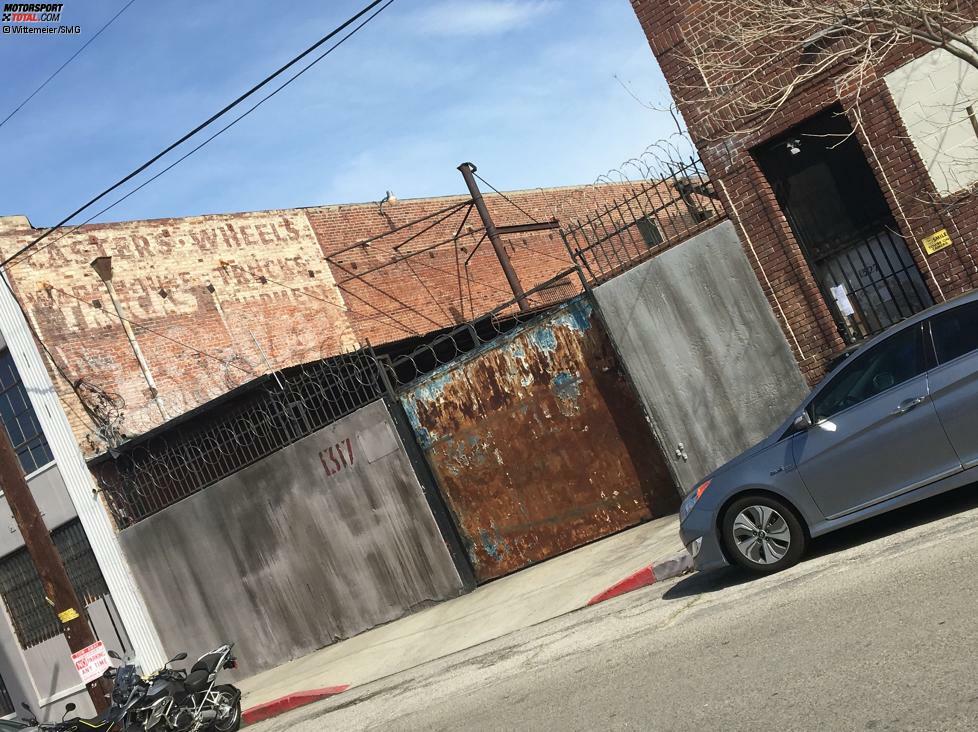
x,y
838,214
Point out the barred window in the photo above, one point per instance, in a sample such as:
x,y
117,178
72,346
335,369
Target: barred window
x,y
18,417
33,618
649,231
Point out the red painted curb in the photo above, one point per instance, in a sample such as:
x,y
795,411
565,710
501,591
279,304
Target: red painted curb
x,y
641,578
286,703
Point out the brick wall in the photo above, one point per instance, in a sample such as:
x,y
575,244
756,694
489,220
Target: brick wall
x,y
772,247
195,288
435,288
218,300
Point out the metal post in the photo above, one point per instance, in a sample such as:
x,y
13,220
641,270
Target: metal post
x,y
468,173
58,589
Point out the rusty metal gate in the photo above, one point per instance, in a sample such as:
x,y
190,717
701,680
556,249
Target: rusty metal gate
x,y
538,442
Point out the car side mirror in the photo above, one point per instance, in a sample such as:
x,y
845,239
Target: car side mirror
x,y
116,656
802,423
69,708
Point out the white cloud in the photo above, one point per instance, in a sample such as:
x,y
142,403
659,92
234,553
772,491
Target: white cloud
x,y
479,17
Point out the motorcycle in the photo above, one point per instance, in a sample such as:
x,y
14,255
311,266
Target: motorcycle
x,y
128,690
178,701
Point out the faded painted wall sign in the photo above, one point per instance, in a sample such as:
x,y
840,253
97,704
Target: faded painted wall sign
x,y
937,241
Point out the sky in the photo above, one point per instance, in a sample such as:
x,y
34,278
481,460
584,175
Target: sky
x,y
525,89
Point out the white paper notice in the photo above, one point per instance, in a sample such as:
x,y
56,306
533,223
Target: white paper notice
x,y
842,300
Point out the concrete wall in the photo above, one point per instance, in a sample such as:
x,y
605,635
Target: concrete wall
x,y
318,542
704,350
933,94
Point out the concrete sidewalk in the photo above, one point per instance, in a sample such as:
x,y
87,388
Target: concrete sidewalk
x,y
531,596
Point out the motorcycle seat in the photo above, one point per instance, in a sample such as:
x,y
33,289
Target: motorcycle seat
x,y
197,680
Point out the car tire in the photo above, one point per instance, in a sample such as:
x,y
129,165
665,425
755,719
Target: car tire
x,y
763,534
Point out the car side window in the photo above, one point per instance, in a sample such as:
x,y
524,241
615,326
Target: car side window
x,y
955,332
897,359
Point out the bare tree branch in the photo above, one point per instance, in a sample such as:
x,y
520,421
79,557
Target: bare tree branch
x,y
747,58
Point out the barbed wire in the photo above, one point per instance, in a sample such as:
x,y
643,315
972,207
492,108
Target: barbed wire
x,y
162,467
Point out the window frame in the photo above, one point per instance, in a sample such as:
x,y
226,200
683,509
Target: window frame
x,y
37,441
647,225
31,619
932,342
927,353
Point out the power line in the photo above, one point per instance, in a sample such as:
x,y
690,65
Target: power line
x,y
364,242
507,199
137,324
336,31
70,59
72,384
400,326
194,149
299,291
525,213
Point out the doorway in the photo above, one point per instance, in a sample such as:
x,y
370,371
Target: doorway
x,y
841,220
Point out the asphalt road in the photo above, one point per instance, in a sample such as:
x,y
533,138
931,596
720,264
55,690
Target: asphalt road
x,y
877,630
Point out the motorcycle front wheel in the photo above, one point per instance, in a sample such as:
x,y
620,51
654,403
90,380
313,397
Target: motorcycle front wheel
x,y
231,698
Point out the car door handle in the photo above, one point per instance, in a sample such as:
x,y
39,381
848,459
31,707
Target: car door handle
x,y
908,404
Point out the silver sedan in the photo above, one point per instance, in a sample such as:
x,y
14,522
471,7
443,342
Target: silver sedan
x,y
894,423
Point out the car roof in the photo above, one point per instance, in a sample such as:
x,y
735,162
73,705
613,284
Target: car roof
x,y
950,304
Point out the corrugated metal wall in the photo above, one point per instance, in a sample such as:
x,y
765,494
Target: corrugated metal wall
x,y
321,540
539,443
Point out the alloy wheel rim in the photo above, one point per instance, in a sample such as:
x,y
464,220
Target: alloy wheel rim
x,y
230,714
761,534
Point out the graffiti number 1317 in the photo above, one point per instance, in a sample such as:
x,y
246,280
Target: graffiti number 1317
x,y
337,457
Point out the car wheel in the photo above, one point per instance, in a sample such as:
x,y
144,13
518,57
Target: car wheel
x,y
763,534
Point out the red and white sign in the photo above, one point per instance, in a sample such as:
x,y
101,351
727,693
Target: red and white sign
x,y
91,662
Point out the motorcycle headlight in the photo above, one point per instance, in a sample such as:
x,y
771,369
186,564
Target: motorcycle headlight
x,y
691,499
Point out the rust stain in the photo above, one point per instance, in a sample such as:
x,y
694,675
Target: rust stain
x,y
539,444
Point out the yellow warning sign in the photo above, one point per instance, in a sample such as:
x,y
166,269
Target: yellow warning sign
x,y
937,241
66,616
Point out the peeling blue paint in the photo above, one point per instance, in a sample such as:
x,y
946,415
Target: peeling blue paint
x,y
539,335
491,547
576,316
425,438
432,390
580,312
545,339
567,386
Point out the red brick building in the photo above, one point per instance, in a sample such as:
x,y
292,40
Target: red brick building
x,y
854,194
212,302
